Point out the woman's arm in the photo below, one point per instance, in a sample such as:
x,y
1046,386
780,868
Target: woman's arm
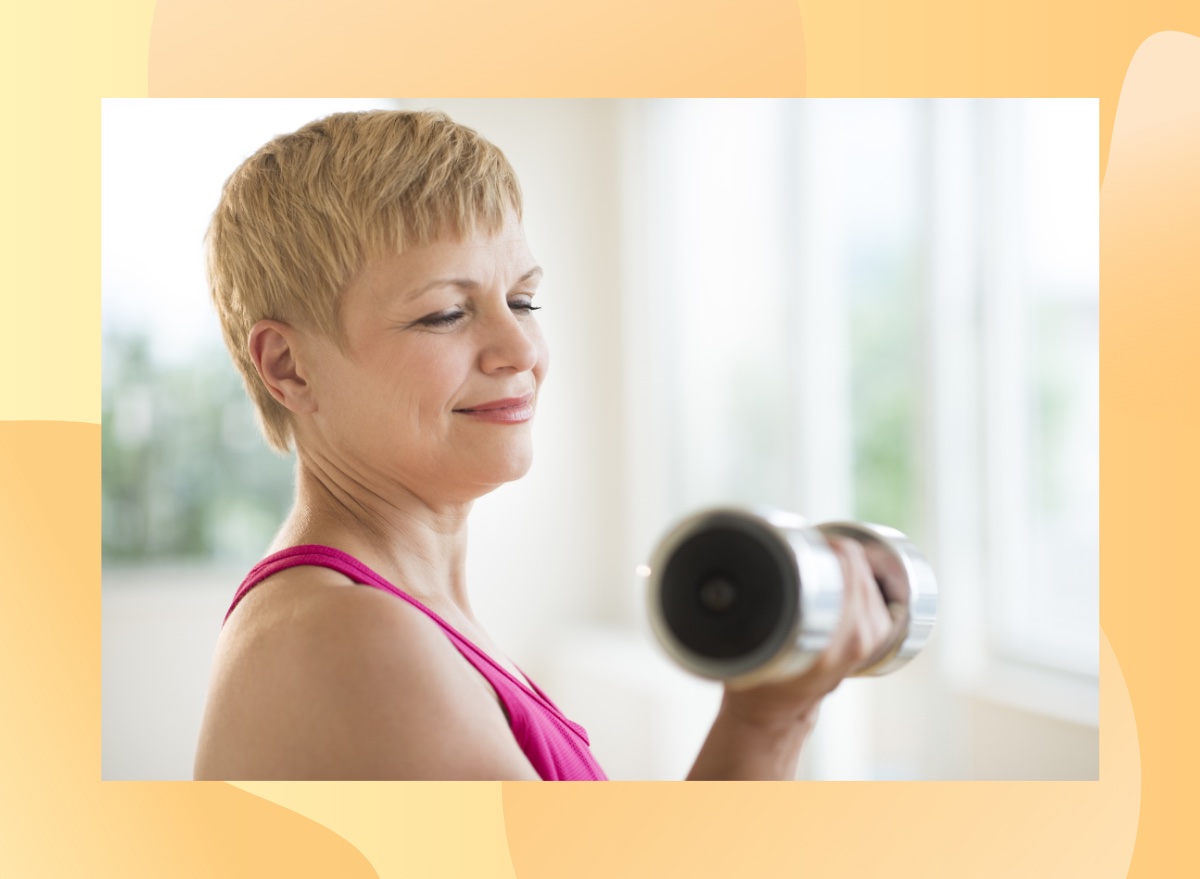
x,y
758,732
742,748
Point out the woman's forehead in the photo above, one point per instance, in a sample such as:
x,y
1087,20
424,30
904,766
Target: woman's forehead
x,y
475,261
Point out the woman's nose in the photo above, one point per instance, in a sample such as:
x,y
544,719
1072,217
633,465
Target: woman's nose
x,y
508,344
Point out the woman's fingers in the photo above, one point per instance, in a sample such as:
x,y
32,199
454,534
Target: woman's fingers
x,y
865,625
864,630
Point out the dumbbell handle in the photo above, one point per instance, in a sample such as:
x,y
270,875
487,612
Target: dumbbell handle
x,y
908,585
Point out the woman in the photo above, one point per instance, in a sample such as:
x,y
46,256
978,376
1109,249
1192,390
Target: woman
x,y
376,290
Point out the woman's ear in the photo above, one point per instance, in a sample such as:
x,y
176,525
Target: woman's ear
x,y
273,348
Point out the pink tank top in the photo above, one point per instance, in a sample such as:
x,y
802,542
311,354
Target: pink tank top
x,y
557,747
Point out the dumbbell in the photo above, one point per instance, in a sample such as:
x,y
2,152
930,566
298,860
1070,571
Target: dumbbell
x,y
749,596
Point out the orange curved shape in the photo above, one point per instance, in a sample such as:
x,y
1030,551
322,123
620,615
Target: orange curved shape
x,y
768,829
1150,429
285,48
58,817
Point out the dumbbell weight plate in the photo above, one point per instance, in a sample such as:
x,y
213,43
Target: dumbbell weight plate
x,y
743,596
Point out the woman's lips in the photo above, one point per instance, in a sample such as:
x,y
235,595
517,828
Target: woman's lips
x,y
511,410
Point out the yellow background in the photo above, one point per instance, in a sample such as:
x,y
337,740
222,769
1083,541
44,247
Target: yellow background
x,y
56,816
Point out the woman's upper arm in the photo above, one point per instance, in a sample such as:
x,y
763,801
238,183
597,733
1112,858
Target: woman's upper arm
x,y
357,685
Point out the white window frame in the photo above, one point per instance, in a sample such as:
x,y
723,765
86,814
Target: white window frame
x,y
977,490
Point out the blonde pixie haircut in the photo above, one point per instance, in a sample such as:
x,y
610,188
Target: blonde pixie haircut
x,y
298,220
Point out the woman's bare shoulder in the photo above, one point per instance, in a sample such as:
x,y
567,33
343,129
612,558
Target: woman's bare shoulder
x,y
321,678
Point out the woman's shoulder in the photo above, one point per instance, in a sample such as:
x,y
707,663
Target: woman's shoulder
x,y
318,677
303,606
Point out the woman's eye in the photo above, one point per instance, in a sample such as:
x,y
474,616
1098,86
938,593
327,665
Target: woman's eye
x,y
523,306
443,318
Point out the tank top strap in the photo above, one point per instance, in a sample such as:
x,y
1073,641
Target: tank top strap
x,y
321,556
314,555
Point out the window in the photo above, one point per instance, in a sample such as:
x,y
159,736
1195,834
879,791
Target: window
x,y
888,310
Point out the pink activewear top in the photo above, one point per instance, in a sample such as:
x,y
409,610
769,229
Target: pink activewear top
x,y
557,747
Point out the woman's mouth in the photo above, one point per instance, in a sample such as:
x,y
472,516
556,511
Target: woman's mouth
x,y
510,410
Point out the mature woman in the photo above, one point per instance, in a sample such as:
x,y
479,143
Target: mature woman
x,y
377,293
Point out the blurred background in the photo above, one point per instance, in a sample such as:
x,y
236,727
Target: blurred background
x,y
884,310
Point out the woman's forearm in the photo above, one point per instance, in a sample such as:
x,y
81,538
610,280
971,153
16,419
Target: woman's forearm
x,y
741,747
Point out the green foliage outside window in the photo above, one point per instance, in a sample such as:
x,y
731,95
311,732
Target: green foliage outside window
x,y
185,471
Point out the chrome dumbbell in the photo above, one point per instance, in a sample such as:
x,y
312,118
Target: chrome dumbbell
x,y
745,596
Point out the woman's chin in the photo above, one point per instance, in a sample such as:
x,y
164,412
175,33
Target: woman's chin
x,y
514,469
508,468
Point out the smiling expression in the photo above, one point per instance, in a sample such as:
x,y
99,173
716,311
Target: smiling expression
x,y
442,366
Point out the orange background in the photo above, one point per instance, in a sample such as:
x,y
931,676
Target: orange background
x,y
58,818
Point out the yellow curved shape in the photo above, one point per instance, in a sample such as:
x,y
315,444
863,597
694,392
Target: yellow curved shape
x,y
407,828
763,829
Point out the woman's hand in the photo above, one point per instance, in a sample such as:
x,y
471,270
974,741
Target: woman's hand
x,y
759,730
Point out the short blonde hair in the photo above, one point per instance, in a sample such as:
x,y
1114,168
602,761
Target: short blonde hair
x,y
299,218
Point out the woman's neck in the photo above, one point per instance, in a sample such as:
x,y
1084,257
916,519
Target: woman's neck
x,y
417,545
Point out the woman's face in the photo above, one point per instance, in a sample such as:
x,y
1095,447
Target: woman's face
x,y
444,359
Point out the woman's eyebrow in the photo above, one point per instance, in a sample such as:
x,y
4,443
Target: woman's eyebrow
x,y
462,283
535,272
466,283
